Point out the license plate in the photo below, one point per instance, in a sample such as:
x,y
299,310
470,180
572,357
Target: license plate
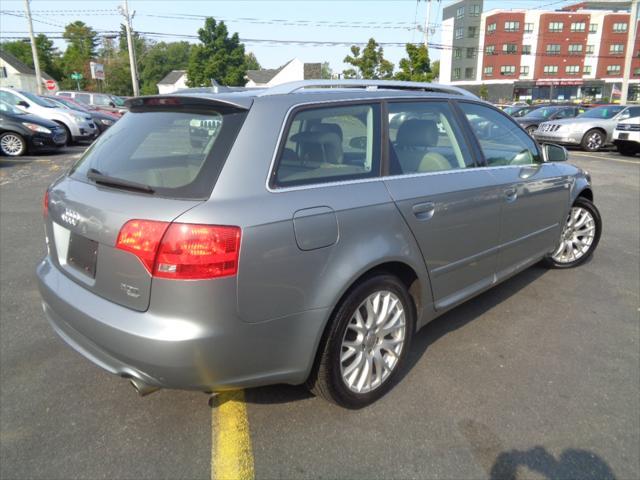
x,y
623,136
82,254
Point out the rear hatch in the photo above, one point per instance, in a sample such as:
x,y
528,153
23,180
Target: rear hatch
x,y
104,219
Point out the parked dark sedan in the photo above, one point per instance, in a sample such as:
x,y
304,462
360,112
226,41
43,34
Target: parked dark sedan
x,y
517,111
534,118
102,119
22,132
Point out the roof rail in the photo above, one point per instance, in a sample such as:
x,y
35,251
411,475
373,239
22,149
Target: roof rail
x,y
292,87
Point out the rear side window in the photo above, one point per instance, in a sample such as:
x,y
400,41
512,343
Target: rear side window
x,y
83,97
424,137
330,144
177,153
502,141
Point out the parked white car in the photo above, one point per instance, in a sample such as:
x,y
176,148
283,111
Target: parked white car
x,y
626,136
79,126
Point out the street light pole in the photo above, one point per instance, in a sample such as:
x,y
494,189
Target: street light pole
x,y
34,50
628,54
132,52
426,25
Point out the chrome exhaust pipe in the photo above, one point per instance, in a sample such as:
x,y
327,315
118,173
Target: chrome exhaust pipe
x,y
142,388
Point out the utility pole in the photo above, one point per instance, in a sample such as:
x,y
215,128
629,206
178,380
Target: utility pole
x,y
34,50
628,53
124,11
426,25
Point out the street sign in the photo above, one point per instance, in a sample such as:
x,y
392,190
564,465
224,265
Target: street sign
x,y
76,76
97,70
50,84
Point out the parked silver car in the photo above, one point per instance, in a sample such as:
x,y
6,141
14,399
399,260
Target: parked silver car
x,y
591,130
302,238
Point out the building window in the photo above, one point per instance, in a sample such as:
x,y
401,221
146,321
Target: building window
x,y
457,53
528,28
511,26
616,48
490,49
636,72
590,49
572,69
488,71
526,49
593,28
460,12
507,70
578,26
553,49
575,49
613,69
468,72
471,52
620,27
556,26
476,10
524,70
491,28
586,70
472,32
459,33
550,69
509,48
456,73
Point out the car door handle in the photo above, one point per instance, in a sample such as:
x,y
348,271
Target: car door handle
x,y
424,211
511,194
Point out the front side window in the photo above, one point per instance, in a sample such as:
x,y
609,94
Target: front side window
x,y
330,144
101,100
424,138
501,139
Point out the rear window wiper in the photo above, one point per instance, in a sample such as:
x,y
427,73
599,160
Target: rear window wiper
x,y
98,177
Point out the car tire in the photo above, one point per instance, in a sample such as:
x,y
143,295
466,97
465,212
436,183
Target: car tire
x,y
69,141
531,128
593,140
583,216
627,150
12,144
353,369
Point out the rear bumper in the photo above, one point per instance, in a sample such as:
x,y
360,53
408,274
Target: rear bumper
x,y
183,353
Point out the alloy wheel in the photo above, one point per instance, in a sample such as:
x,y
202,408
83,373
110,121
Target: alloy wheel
x,y
577,236
11,145
594,142
372,342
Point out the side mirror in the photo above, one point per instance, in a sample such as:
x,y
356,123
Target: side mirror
x,y
22,103
554,153
112,105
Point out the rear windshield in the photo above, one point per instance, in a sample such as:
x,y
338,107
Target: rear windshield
x,y
178,154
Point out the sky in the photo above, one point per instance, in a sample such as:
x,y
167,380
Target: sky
x,y
388,21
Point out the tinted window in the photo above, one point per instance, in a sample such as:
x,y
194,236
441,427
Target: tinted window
x,y
9,98
177,153
501,140
424,137
82,97
43,102
330,144
101,100
602,112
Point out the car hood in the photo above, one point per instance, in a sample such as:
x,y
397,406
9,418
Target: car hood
x,y
31,118
578,120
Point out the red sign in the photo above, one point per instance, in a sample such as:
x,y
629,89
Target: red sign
x,y
50,84
558,83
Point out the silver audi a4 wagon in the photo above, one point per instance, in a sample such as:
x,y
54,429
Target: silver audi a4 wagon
x,y
300,234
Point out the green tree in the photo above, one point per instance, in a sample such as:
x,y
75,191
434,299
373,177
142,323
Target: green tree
x,y
159,60
325,71
416,66
483,92
82,41
218,57
368,63
252,61
435,69
48,55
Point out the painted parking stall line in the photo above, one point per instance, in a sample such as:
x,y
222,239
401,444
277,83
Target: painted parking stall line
x,y
591,156
231,453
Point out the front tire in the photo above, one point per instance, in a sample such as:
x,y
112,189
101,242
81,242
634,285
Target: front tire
x,y
579,237
12,144
593,140
69,140
366,343
627,150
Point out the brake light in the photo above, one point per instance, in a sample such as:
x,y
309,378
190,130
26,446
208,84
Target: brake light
x,y
182,250
45,204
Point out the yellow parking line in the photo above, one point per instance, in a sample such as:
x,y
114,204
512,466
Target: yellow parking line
x,y
231,454
634,162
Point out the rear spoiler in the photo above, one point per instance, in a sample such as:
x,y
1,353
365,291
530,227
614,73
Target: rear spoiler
x,y
191,99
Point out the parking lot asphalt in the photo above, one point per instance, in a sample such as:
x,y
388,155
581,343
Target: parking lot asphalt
x,y
537,378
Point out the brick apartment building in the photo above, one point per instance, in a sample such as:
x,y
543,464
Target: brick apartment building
x,y
573,53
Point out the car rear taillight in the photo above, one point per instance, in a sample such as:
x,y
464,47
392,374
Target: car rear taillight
x,y
182,250
45,204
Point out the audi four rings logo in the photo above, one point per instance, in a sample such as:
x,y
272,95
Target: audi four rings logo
x,y
71,217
